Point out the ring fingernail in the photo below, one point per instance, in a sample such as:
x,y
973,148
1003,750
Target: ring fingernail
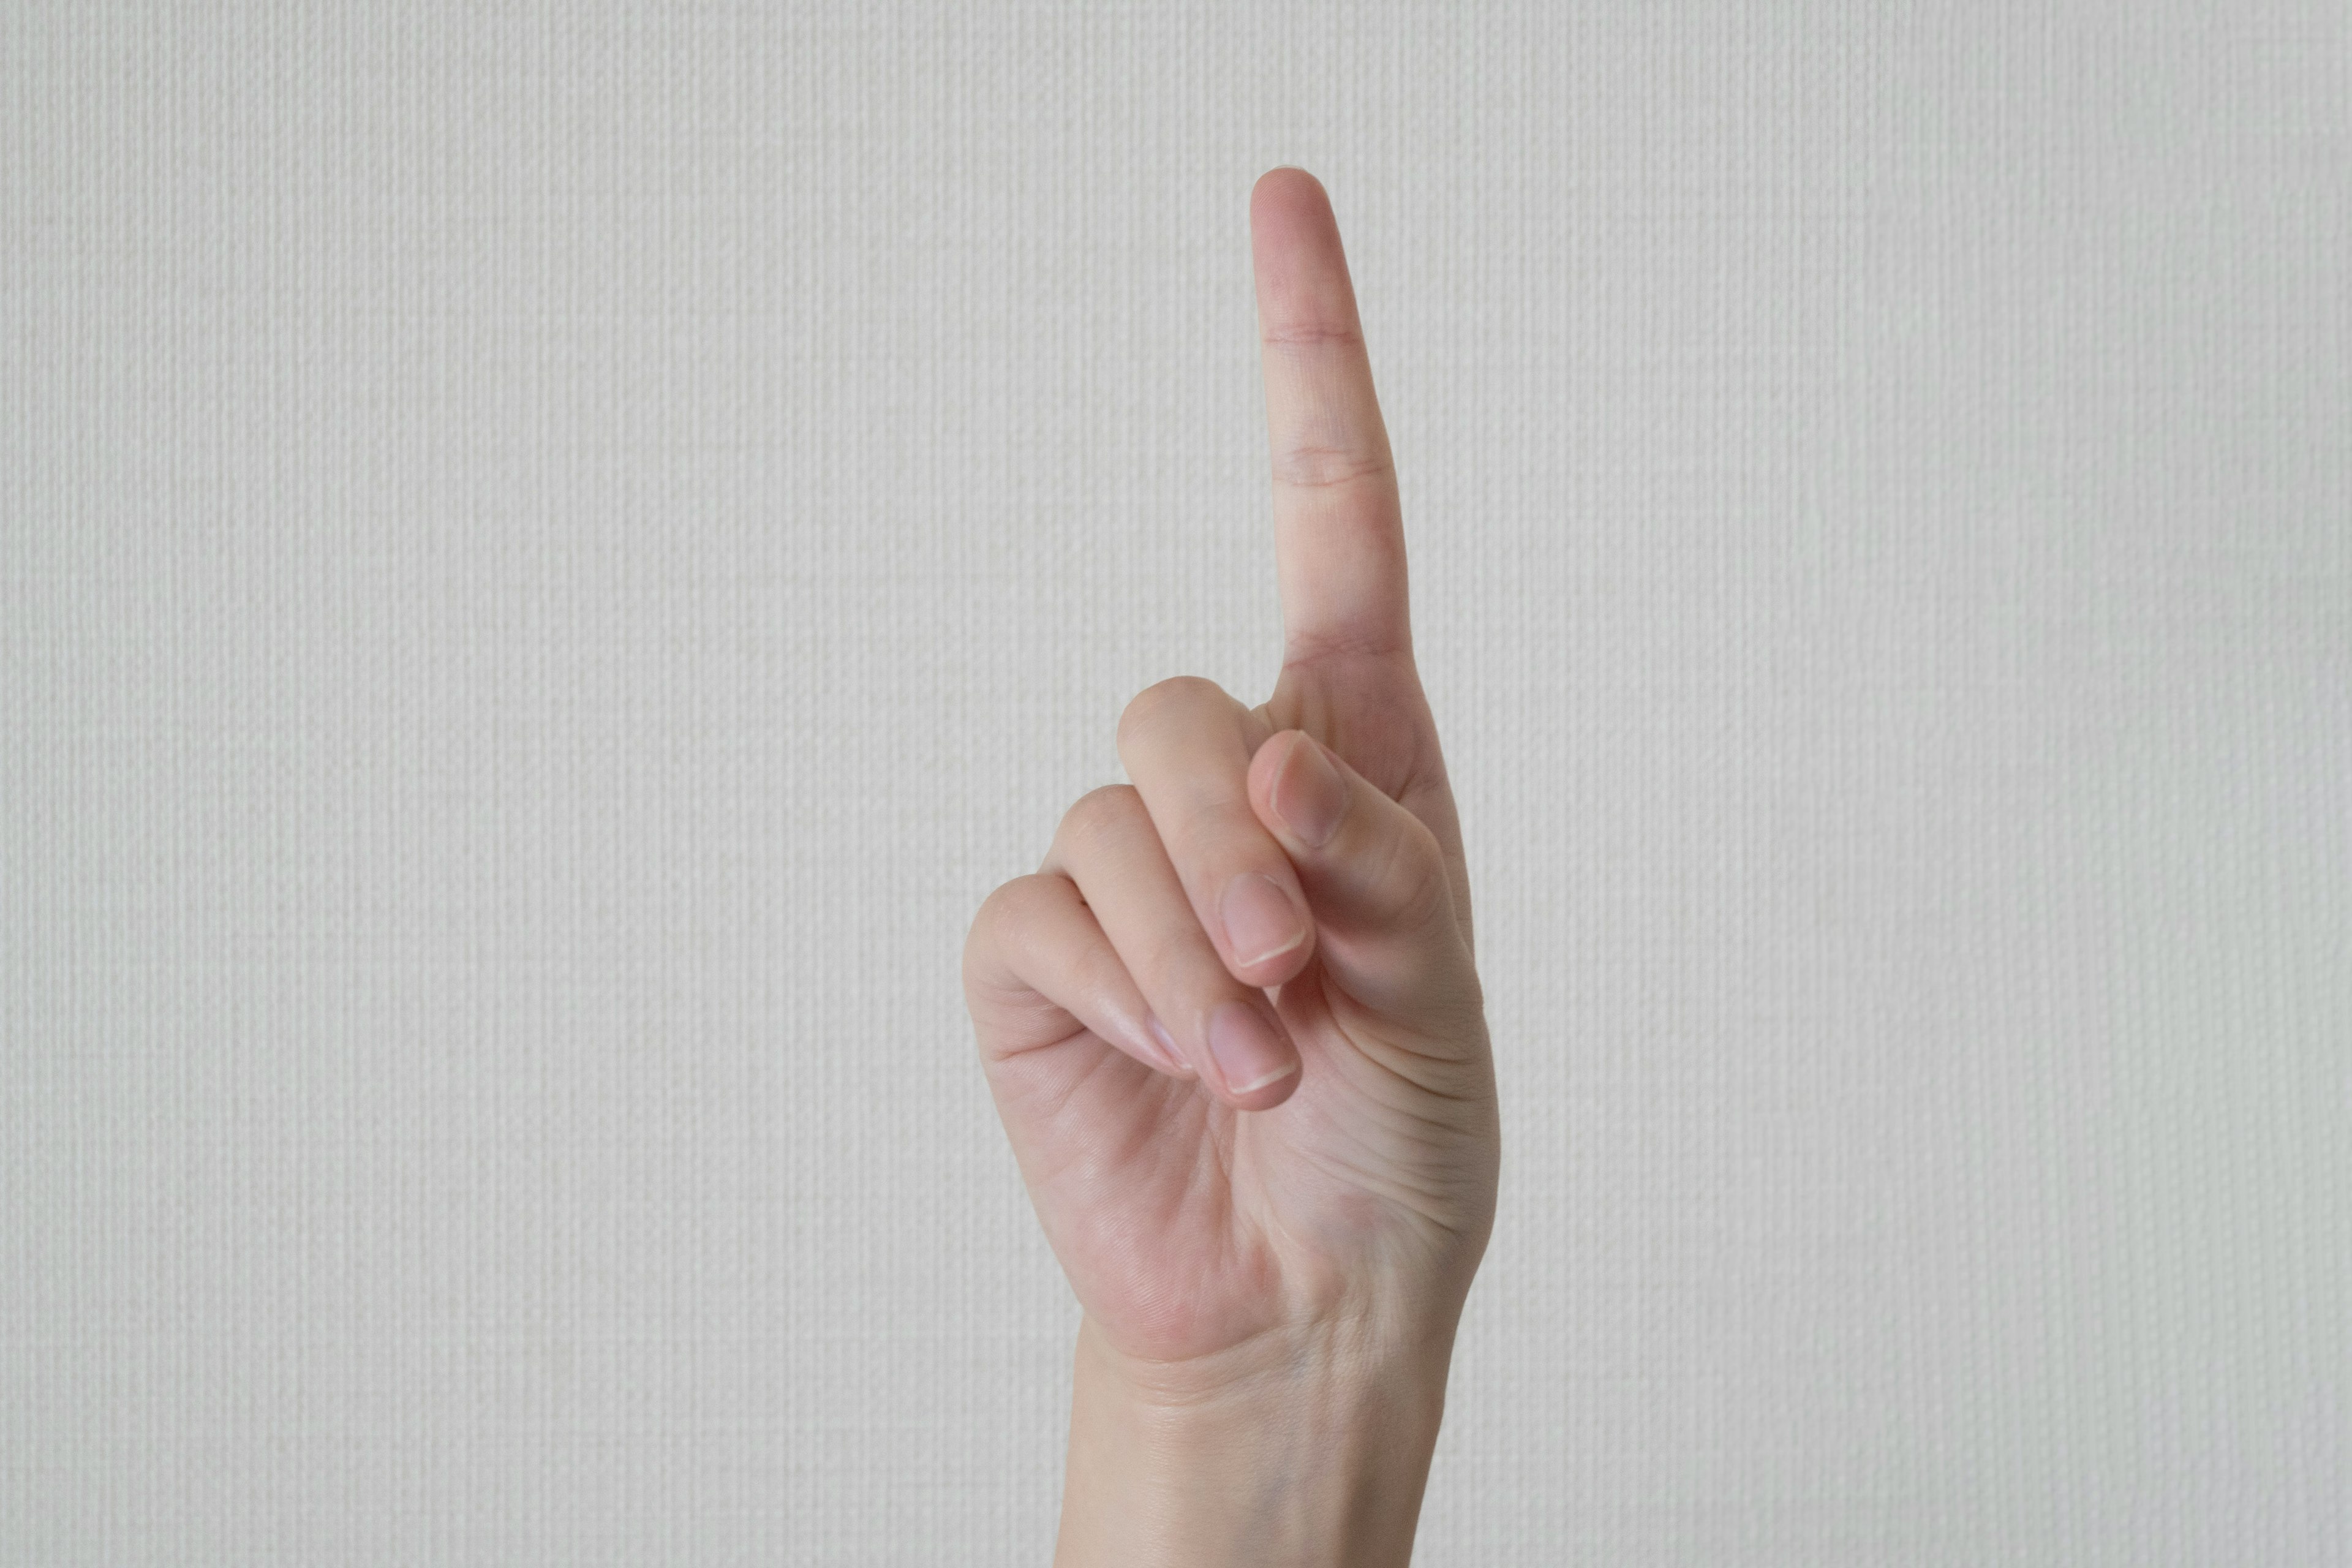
x,y
1246,1050
1261,921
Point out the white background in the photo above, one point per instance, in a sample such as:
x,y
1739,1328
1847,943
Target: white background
x,y
550,558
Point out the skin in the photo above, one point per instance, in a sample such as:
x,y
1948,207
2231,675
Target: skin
x,y
1271,1232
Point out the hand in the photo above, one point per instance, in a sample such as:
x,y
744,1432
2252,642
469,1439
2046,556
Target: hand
x,y
1270,1210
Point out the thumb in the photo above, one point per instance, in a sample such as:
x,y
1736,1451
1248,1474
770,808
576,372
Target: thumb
x,y
1375,879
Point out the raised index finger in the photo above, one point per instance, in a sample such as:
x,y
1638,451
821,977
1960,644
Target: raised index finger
x,y
1339,531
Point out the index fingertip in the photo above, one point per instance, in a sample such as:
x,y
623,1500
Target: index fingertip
x,y
1287,205
1282,177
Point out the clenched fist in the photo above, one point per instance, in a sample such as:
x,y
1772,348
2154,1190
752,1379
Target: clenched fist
x,y
1234,1027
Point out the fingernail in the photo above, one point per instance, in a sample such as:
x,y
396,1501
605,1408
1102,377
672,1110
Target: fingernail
x,y
1308,793
1248,1052
1167,1046
1260,920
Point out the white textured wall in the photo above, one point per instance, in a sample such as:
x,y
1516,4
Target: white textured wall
x,y
550,558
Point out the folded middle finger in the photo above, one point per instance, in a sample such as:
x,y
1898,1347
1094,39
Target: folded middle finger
x,y
1187,745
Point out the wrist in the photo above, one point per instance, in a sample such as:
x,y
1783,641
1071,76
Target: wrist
x,y
1312,1451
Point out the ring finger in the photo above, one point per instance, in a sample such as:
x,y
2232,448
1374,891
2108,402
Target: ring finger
x,y
1228,1031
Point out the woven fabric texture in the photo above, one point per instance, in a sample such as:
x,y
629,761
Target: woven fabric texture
x,y
550,557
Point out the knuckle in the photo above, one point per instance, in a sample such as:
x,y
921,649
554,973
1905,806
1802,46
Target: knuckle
x,y
985,919
1008,907
1104,808
983,943
1311,466
1099,815
1149,706
1313,335
1014,902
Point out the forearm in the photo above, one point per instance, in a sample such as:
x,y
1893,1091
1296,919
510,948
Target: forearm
x,y
1319,1462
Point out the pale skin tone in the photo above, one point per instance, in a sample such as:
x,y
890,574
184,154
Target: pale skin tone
x,y
1271,1221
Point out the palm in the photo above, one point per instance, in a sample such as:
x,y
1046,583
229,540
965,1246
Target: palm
x,y
1185,1226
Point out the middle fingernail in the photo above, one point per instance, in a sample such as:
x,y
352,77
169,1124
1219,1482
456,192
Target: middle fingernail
x,y
1261,923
